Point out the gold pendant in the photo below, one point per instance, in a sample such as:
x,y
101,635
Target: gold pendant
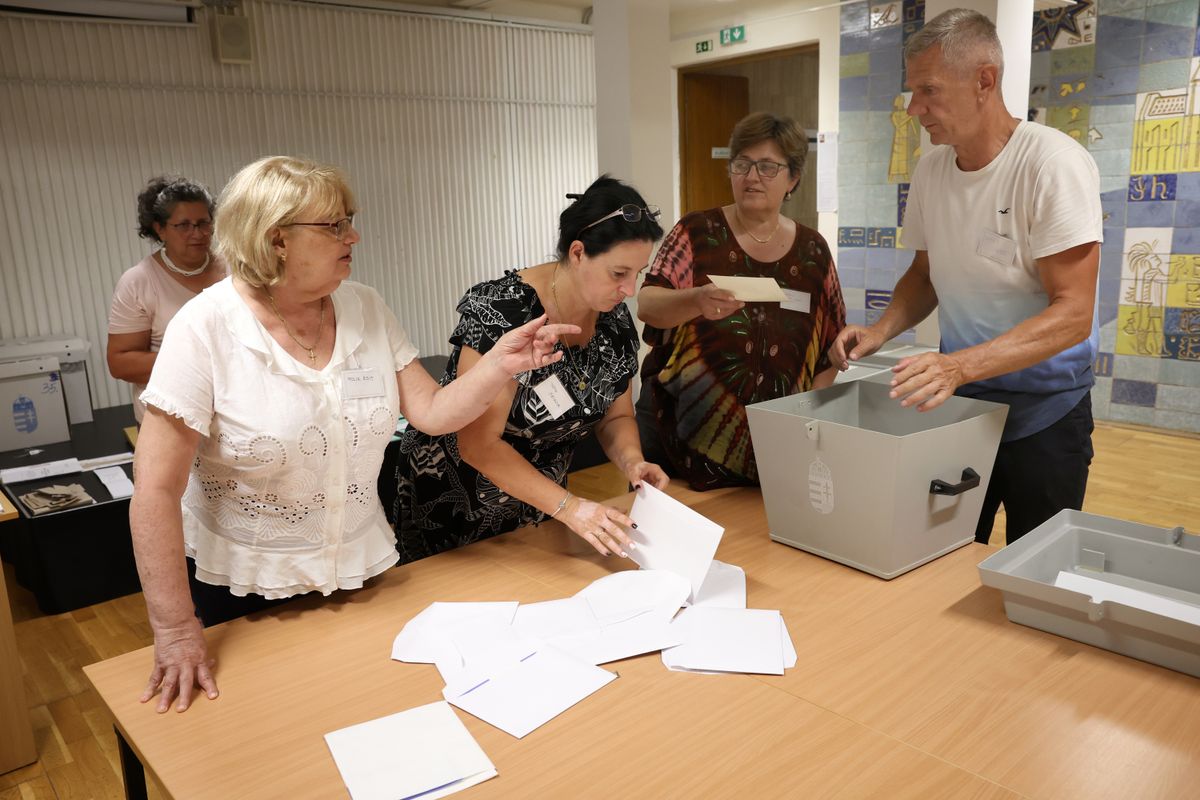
x,y
312,356
582,384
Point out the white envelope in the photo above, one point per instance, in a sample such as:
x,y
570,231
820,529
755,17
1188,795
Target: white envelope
x,y
423,640
424,751
723,587
554,618
531,692
728,640
672,537
642,633
750,290
628,593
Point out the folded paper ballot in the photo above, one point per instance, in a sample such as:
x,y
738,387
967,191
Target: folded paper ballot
x,y
672,537
731,640
723,587
750,290
423,639
424,752
523,696
628,593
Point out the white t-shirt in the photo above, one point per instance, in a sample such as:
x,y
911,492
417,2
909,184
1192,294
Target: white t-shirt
x,y
146,298
984,231
282,498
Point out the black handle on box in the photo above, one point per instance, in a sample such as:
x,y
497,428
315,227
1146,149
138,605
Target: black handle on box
x,y
970,479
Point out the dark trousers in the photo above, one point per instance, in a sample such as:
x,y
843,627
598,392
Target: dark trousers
x,y
216,604
1036,477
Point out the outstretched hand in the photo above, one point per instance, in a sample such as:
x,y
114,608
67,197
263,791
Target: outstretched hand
x,y
530,346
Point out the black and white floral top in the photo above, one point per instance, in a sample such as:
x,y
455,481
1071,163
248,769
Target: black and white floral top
x,y
443,502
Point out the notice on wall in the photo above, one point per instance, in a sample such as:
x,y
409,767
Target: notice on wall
x,y
827,175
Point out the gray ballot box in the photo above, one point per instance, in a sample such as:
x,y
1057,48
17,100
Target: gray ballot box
x,y
849,474
1121,586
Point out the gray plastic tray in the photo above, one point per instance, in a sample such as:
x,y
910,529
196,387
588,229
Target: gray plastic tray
x,y
1164,562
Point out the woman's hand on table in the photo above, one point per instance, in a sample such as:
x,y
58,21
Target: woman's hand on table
x,y
530,346
652,474
181,663
716,303
598,525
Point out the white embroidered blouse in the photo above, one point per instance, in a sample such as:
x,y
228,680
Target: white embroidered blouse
x,y
282,499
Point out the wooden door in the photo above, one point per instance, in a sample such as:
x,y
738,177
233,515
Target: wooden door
x,y
709,107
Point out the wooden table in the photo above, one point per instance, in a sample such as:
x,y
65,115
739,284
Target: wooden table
x,y
918,687
16,732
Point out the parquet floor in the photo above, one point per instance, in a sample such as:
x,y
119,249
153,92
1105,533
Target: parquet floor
x,y
1139,474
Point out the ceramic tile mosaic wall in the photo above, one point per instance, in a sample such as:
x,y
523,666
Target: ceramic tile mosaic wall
x,y
1122,77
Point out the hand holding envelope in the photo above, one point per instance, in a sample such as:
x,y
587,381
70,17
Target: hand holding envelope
x,y
748,289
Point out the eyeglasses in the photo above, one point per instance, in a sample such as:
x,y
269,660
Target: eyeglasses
x,y
630,213
186,228
766,169
338,229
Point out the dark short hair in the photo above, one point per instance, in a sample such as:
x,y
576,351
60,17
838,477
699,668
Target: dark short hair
x,y
783,131
603,197
157,201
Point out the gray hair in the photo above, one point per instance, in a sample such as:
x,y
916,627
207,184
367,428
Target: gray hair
x,y
968,40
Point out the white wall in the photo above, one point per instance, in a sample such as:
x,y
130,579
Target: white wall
x,y
460,137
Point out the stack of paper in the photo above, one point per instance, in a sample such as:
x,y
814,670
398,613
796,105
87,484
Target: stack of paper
x,y
672,537
731,640
424,752
116,481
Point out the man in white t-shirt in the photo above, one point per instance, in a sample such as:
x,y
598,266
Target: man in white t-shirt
x,y
1005,219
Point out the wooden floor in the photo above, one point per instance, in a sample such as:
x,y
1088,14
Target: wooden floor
x,y
1138,474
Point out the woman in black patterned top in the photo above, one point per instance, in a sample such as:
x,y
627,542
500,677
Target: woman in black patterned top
x,y
508,469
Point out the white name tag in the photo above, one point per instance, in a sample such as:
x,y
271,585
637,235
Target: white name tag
x,y
554,396
1000,249
361,383
796,301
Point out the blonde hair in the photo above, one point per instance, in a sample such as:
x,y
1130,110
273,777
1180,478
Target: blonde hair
x,y
266,195
784,131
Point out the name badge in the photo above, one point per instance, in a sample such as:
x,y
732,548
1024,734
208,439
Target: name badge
x,y
358,383
995,247
554,396
796,301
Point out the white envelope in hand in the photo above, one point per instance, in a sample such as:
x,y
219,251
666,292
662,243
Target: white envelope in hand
x,y
672,537
750,290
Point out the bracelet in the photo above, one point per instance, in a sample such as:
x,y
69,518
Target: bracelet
x,y
561,505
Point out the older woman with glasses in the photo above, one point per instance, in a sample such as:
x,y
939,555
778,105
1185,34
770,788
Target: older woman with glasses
x,y
509,467
177,214
711,354
267,416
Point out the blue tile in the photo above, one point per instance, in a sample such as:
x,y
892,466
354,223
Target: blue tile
x,y
1196,52
856,316
913,10
879,279
1150,215
851,278
1108,312
1175,44
1114,239
1183,347
901,203
856,86
1188,184
856,16
886,38
1110,29
1115,99
852,257
858,42
855,103
1187,212
1182,320
1143,188
1110,265
1103,365
1114,81
1114,212
880,258
1118,53
852,237
1134,393
1161,28
1108,287
886,62
878,299
884,86
882,102
1186,240
881,237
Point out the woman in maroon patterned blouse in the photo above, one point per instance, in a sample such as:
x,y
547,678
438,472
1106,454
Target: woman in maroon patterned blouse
x,y
712,355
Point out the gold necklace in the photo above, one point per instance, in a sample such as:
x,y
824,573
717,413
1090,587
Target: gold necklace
x,y
312,351
580,377
750,233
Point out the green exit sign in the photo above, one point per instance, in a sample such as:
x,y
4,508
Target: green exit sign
x,y
734,35
704,46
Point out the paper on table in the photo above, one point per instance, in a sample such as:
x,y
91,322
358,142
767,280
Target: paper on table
x,y
499,653
531,692
1101,590
626,594
789,649
728,640
116,481
672,537
424,751
33,472
723,587
555,618
423,639
642,633
750,290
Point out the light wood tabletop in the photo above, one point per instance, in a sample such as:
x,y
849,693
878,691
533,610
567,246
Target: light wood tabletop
x,y
918,687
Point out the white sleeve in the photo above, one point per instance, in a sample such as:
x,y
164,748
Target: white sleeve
x,y
403,350
181,383
1066,204
912,234
128,312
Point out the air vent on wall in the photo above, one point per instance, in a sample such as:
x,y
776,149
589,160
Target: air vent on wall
x,y
232,40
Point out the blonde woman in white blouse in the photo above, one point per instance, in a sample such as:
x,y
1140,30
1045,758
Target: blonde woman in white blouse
x,y
268,410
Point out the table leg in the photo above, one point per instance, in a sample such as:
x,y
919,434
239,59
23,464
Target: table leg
x,y
132,770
